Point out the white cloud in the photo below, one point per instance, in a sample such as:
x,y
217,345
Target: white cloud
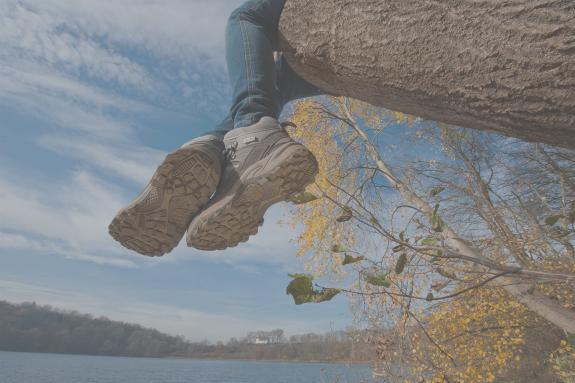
x,y
18,241
181,29
67,218
52,50
69,61
135,163
28,35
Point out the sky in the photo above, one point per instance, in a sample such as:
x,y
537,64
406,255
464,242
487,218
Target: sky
x,y
93,94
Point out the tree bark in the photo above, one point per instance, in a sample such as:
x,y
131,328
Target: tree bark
x,y
500,65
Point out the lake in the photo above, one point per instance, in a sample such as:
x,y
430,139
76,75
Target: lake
x,y
56,368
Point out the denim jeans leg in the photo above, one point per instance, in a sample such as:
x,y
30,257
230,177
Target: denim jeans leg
x,y
260,86
251,38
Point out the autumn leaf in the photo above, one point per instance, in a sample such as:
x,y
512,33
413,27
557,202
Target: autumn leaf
x,y
401,262
302,290
436,190
303,198
324,295
552,219
429,241
446,274
379,279
337,248
345,215
348,260
437,223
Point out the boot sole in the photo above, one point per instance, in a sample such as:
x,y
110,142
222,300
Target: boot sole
x,y
239,215
155,222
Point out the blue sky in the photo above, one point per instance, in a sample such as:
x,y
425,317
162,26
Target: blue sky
x,y
93,94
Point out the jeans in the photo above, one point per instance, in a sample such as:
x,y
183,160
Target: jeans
x,y
261,86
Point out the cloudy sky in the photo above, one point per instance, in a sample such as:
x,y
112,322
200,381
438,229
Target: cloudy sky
x,y
93,93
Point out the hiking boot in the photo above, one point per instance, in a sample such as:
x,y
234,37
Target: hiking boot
x,y
155,222
265,166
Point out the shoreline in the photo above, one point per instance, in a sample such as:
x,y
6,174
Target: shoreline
x,y
215,359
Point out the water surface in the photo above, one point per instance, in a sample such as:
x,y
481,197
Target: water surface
x,y
56,368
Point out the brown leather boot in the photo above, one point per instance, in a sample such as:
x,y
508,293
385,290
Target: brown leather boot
x,y
155,222
265,166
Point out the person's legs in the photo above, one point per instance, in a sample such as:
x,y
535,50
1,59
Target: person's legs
x,y
261,85
289,87
183,183
250,42
265,165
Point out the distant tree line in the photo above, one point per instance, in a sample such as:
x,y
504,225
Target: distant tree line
x,y
29,327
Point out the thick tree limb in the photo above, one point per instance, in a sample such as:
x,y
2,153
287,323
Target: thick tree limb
x,y
505,66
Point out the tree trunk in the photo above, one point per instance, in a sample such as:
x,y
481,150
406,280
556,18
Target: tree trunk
x,y
500,65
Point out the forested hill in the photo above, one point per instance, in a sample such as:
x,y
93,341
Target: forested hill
x,y
32,328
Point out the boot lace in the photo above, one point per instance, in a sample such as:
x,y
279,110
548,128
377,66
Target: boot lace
x,y
230,152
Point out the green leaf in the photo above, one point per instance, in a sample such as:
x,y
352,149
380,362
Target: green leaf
x,y
300,288
294,276
571,339
446,274
437,223
348,260
377,279
302,291
401,262
436,190
429,241
552,219
345,215
324,295
337,249
300,199
429,297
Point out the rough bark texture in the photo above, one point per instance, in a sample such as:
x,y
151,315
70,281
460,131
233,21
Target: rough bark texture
x,y
499,65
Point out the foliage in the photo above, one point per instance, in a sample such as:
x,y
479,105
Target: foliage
x,y
302,290
379,279
32,328
349,259
563,362
407,209
478,334
318,218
